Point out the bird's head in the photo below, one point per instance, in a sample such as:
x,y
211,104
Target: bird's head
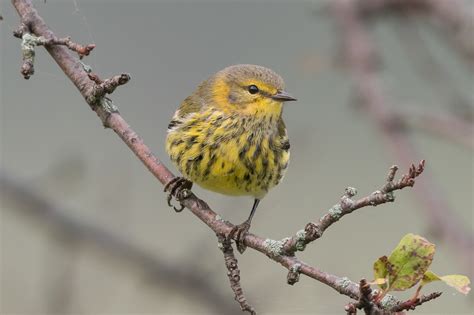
x,y
248,90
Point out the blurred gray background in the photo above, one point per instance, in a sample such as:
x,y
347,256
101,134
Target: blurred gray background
x,y
86,229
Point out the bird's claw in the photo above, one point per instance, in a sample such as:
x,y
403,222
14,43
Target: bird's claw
x,y
180,188
238,234
181,207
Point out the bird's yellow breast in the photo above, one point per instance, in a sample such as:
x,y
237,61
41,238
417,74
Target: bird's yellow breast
x,y
229,153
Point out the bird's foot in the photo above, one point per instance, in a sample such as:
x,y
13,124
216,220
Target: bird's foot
x,y
238,234
179,187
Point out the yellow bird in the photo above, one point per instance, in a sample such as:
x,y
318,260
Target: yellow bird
x,y
229,136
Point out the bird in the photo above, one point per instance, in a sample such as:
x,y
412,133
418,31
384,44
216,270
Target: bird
x,y
229,137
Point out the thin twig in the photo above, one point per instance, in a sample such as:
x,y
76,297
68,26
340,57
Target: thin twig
x,y
413,303
28,44
313,231
30,41
365,300
81,50
233,273
108,86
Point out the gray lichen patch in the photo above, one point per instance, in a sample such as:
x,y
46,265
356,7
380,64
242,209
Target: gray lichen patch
x,y
28,44
351,192
390,196
300,240
336,211
86,67
275,247
220,245
295,267
218,218
344,282
388,301
108,105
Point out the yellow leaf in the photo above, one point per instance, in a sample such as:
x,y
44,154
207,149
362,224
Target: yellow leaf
x,y
459,282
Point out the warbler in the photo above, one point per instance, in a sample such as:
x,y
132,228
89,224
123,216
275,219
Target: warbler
x,y
229,136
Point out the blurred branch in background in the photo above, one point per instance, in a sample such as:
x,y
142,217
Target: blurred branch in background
x,y
449,127
430,69
364,61
75,230
454,17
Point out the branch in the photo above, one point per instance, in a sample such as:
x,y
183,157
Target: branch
x,y
365,301
234,274
66,41
413,303
93,90
30,41
313,231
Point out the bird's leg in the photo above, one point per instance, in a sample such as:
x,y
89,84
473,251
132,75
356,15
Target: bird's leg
x,y
180,188
239,232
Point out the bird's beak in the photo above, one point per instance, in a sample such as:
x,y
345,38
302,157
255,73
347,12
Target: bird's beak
x,y
283,96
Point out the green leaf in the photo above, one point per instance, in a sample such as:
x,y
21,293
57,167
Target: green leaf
x,y
428,277
409,261
381,267
459,282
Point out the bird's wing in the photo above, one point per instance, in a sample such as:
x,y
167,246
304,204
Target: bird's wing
x,y
283,135
191,105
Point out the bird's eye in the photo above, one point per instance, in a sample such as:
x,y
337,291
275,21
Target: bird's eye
x,y
253,89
